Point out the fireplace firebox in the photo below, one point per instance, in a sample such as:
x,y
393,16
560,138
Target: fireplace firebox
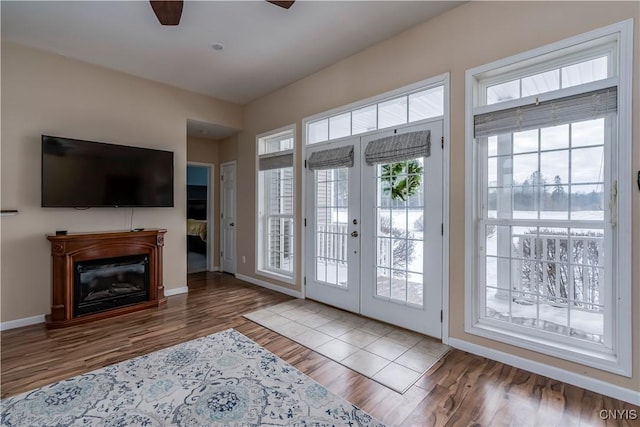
x,y
104,284
100,275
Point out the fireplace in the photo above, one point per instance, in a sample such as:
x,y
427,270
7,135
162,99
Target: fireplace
x,y
100,275
104,284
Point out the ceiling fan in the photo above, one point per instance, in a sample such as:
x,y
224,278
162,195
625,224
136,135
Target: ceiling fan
x,y
169,12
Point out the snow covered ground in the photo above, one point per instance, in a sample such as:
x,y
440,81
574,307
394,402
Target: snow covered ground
x,y
567,320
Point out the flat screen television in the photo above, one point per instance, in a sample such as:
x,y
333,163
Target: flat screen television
x,y
83,174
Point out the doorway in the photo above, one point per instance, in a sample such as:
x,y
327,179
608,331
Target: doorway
x,y
199,217
374,226
228,217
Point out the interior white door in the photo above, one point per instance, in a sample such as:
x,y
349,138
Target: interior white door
x,y
332,230
228,217
368,250
401,266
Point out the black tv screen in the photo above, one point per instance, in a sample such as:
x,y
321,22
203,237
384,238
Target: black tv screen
x,y
78,173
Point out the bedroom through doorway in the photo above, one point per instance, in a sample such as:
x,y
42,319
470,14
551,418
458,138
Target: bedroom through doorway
x,y
199,217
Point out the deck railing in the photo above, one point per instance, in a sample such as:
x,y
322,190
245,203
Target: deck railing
x,y
555,268
331,241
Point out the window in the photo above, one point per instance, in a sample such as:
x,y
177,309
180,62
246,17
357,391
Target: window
x,y
419,104
275,216
548,141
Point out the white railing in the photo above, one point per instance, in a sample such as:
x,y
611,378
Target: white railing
x,y
543,267
331,242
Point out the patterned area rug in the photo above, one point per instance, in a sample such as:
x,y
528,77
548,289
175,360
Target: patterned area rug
x,y
224,379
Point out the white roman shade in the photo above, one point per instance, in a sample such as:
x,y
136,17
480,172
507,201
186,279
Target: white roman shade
x,y
341,157
585,106
397,148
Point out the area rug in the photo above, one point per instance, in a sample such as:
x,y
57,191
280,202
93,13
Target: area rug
x,y
224,379
389,355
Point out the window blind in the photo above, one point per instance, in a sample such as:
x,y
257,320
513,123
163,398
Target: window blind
x,y
281,159
397,148
341,157
585,106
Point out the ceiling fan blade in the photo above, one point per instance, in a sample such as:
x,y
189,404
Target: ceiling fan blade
x,y
283,4
168,12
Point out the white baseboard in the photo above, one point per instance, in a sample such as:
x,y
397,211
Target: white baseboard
x,y
175,291
215,268
18,323
271,286
598,386
12,324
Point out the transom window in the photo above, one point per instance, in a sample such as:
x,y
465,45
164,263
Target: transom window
x,y
407,108
546,222
275,237
573,74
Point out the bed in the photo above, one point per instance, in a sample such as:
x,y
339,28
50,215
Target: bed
x,y
197,235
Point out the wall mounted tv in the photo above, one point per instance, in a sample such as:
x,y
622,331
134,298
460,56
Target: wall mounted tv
x,y
85,174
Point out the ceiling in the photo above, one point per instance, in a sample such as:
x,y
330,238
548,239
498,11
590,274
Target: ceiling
x,y
265,47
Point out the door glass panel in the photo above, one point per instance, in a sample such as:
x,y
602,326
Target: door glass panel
x,y
332,195
399,234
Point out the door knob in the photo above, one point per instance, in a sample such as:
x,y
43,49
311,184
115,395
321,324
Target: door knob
x,y
232,224
354,233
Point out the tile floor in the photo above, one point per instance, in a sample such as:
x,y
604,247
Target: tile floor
x,y
392,356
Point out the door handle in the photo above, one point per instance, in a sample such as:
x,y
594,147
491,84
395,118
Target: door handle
x,y
354,234
232,224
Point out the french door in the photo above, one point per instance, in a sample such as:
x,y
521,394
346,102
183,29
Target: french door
x,y
374,233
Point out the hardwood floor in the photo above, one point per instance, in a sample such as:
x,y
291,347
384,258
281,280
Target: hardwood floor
x,y
462,389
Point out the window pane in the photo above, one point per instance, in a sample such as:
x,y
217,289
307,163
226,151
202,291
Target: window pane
x,y
364,120
415,289
398,285
541,83
274,145
524,142
555,137
392,113
587,202
525,201
340,126
319,131
503,92
492,145
555,203
584,72
425,104
501,202
383,282
525,169
554,167
587,165
590,132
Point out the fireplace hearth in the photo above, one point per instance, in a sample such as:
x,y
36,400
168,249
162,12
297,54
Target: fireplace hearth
x,y
104,284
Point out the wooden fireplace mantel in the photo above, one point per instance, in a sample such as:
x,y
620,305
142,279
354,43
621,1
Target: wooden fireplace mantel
x,y
67,249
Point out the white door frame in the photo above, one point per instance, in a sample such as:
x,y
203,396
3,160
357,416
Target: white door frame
x,y
444,79
235,190
211,262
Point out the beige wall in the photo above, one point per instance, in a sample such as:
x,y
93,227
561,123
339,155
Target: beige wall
x,y
473,34
207,151
228,149
43,93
